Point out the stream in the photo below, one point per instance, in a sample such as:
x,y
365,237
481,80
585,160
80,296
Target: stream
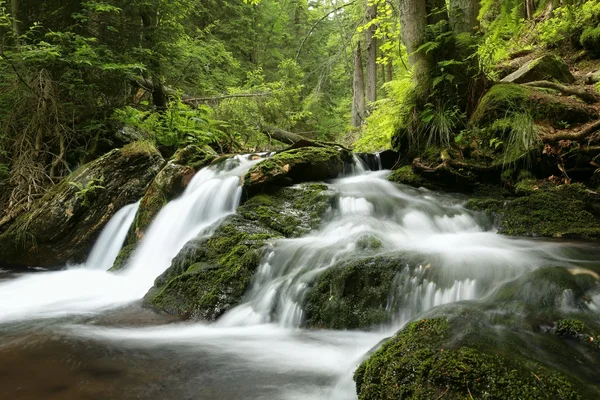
x,y
81,333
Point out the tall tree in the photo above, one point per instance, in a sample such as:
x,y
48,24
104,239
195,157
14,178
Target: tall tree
x,y
413,22
464,15
371,41
358,99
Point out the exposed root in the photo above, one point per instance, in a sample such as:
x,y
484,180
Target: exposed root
x,y
590,96
580,135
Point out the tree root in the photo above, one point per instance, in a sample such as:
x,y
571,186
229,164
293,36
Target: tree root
x,y
575,136
588,96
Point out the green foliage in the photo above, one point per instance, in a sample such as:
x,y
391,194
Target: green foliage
x,y
441,122
389,116
87,190
520,137
178,126
572,24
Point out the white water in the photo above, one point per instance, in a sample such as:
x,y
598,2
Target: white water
x,y
211,195
111,239
451,255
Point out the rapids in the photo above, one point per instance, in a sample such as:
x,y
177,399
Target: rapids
x,y
82,316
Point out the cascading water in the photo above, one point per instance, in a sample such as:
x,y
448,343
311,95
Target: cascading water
x,y
212,194
111,239
257,350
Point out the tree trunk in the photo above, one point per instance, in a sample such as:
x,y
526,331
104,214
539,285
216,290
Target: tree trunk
x,y
413,23
14,12
371,41
150,23
463,15
358,99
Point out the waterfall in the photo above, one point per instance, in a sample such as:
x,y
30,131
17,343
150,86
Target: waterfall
x,y
213,193
111,239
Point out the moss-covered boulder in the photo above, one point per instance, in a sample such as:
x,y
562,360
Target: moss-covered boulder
x,y
210,275
305,164
548,210
194,156
169,184
549,67
354,294
506,98
463,356
62,226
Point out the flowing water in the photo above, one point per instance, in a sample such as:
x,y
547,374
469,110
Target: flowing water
x,y
79,333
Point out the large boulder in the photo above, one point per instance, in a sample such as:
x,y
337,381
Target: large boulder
x,y
304,164
534,338
545,210
354,294
211,274
507,98
546,68
63,225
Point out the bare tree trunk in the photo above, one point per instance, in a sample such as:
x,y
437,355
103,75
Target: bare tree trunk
x,y
371,41
14,11
358,99
463,15
529,8
413,23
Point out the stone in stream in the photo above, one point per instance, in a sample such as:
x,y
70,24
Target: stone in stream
x,y
525,341
304,164
62,226
210,275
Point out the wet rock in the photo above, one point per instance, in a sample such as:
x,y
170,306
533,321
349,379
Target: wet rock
x,y
546,210
194,156
354,294
62,226
546,68
210,275
305,164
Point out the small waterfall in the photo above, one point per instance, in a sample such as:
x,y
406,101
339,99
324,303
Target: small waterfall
x,y
417,224
212,194
111,239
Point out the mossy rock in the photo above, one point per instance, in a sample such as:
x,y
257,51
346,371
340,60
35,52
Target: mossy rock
x,y
123,257
549,67
305,164
506,98
63,225
210,275
542,291
354,294
464,356
194,156
546,210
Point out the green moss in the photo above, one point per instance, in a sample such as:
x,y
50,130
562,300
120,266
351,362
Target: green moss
x,y
210,275
552,211
508,98
123,258
353,294
424,361
194,156
297,165
139,147
569,328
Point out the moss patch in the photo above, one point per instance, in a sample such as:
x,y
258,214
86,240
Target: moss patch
x,y
296,165
210,275
353,294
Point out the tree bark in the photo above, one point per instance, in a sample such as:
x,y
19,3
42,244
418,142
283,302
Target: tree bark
x,y
358,98
14,12
463,15
413,23
529,9
281,135
371,41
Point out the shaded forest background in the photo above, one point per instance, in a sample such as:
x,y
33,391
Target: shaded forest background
x,y
79,78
